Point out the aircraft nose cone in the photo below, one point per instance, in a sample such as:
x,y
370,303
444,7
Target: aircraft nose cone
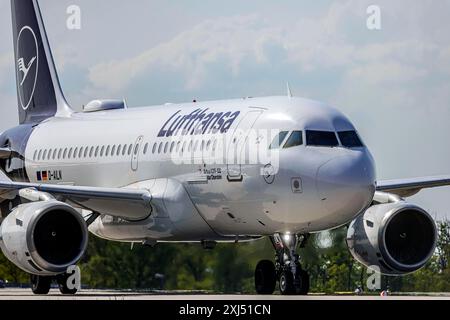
x,y
346,184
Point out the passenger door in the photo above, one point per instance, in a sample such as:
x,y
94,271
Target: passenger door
x,y
236,146
135,153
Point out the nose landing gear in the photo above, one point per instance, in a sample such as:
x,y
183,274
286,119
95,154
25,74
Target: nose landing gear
x,y
292,279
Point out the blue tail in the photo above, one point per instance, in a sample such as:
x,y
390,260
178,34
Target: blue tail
x,y
38,90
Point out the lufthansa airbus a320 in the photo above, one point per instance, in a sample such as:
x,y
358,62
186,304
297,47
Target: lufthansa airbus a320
x,y
219,171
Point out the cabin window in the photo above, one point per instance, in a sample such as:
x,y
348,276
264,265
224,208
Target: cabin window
x,y
295,139
146,148
160,147
321,138
172,146
278,140
108,148
70,153
34,155
130,148
102,151
350,139
86,150
178,146
113,151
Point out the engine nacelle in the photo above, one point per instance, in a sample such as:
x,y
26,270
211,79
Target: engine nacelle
x,y
398,238
44,238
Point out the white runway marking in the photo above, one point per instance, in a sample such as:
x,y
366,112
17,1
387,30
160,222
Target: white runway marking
x,y
26,294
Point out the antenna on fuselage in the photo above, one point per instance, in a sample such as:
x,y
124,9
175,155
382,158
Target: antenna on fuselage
x,y
289,92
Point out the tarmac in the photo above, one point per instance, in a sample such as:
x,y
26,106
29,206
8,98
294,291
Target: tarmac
x,y
26,294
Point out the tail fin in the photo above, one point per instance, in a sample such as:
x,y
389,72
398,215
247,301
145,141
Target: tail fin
x,y
38,89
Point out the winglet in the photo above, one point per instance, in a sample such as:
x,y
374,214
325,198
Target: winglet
x,y
289,92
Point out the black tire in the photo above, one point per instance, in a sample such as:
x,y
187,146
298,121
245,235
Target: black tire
x,y
265,277
40,284
301,283
305,279
62,284
286,283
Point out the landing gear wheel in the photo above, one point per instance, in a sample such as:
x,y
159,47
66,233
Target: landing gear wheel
x,y
265,277
40,284
303,289
62,284
301,282
286,283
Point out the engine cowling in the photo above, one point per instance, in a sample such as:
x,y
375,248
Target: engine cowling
x,y
44,238
398,238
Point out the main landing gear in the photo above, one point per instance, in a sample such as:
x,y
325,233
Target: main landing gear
x,y
292,279
42,284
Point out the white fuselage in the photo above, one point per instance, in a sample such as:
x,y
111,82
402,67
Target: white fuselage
x,y
217,193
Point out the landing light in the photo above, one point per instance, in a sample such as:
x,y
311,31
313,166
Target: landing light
x,y
287,237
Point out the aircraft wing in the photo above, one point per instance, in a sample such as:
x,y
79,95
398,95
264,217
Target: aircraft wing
x,y
409,187
133,204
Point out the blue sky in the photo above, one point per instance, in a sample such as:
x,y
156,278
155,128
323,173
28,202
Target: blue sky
x,y
393,83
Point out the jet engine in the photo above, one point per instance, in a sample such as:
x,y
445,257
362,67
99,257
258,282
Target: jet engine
x,y
44,238
398,238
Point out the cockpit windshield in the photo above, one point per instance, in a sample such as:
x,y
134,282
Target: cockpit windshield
x,y
321,138
350,139
317,138
295,139
278,140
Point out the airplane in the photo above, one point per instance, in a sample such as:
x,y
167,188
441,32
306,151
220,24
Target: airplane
x,y
197,172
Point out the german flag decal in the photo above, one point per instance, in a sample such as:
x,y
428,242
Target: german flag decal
x,y
49,175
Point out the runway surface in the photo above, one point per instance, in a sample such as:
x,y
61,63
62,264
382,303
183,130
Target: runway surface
x,y
26,294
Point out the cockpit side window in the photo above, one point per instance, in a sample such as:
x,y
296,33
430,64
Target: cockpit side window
x,y
321,138
295,139
350,139
278,140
